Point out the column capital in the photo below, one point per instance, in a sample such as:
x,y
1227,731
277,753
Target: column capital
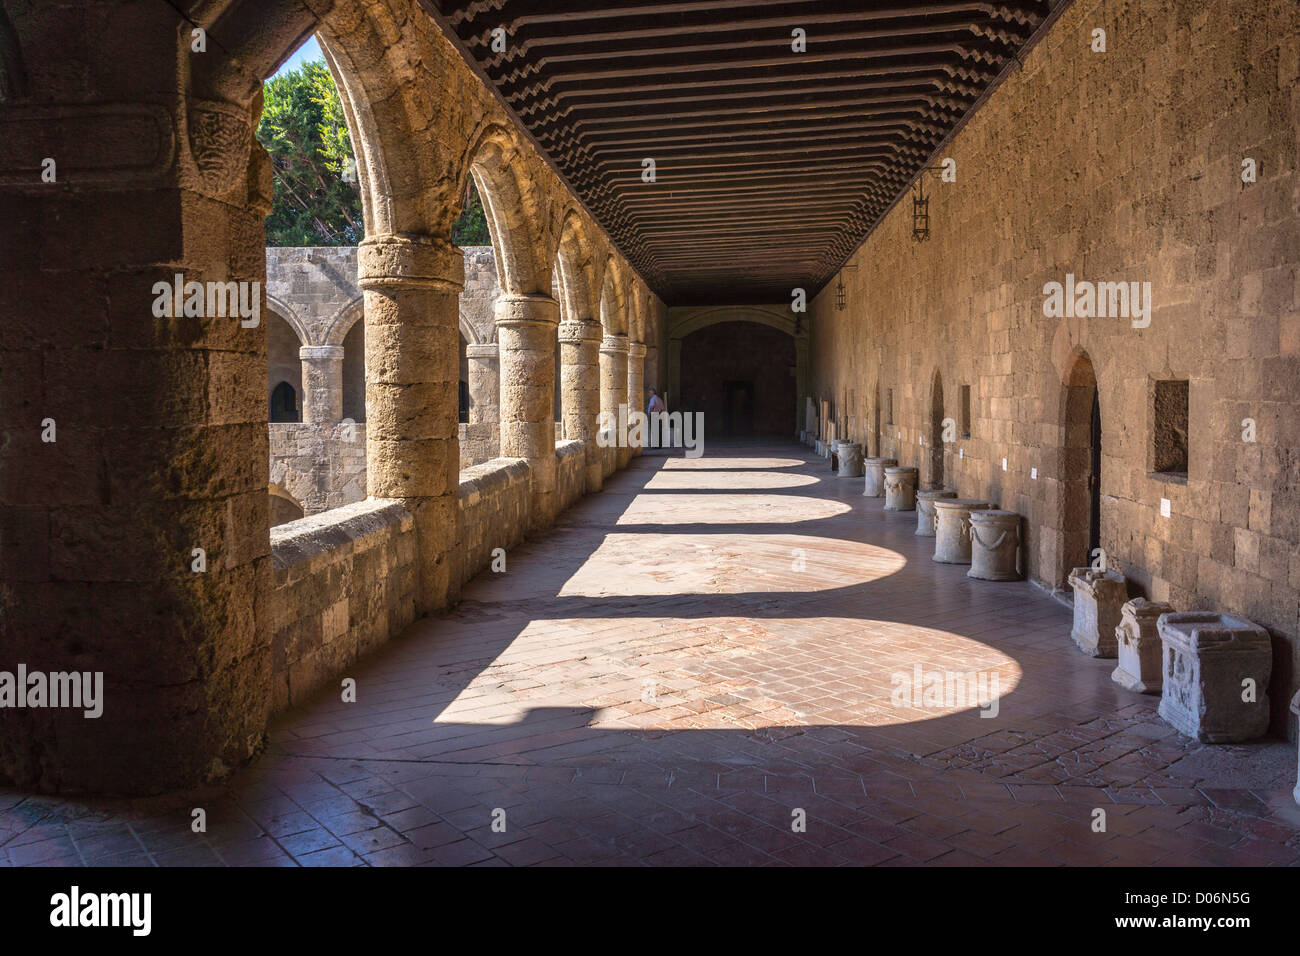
x,y
577,332
481,350
410,262
636,350
310,353
611,344
513,310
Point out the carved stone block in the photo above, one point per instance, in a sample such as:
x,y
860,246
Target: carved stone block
x,y
1216,669
1098,598
1139,644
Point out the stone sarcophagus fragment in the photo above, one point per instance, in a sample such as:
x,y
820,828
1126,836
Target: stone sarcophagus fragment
x,y
873,476
952,528
900,488
850,460
1138,645
994,545
925,509
1099,597
1215,672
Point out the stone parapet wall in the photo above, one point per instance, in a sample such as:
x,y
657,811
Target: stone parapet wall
x,y
493,506
570,474
345,583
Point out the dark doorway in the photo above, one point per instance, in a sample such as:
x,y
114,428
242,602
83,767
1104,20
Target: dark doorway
x,y
936,432
738,419
284,403
1080,470
739,376
1094,478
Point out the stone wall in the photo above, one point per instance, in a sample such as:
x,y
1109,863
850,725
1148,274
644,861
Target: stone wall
x,y
344,583
493,511
570,478
1116,166
322,466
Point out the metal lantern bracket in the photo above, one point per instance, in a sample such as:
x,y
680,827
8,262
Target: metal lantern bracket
x,y
921,207
841,299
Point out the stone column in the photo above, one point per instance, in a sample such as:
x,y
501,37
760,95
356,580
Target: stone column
x,y
613,393
580,382
411,287
322,383
636,385
133,439
482,431
526,330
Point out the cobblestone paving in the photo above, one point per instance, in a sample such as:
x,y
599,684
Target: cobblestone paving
x,y
686,665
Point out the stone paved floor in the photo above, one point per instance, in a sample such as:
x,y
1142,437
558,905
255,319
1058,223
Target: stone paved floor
x,y
687,664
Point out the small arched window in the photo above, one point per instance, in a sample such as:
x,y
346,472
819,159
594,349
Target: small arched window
x,y
284,403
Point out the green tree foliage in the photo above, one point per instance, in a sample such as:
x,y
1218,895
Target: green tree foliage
x,y
317,198
471,228
302,128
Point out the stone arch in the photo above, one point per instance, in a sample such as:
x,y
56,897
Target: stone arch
x,y
776,318
283,364
341,323
284,507
613,299
515,212
293,320
577,270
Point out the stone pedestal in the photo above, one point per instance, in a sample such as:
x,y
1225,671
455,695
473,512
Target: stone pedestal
x,y
900,488
322,383
1138,640
873,476
925,509
995,545
850,460
817,446
835,454
1207,656
1098,598
952,528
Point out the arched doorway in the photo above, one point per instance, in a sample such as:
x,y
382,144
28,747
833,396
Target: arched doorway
x,y
284,404
935,478
1080,467
738,374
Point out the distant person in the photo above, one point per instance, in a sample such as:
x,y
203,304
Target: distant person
x,y
654,407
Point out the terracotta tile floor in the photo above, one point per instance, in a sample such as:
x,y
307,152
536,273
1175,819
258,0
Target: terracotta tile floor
x,y
685,666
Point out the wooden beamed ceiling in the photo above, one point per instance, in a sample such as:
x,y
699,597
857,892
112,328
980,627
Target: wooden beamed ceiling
x,y
771,165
